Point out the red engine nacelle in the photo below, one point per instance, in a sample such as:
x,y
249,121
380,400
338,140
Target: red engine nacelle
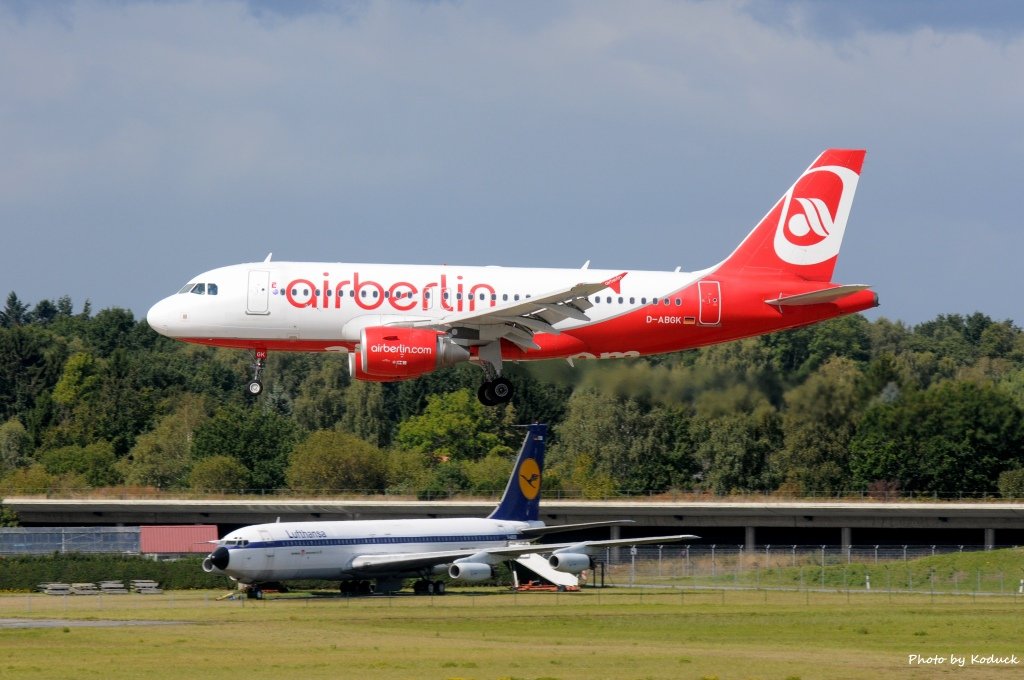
x,y
392,354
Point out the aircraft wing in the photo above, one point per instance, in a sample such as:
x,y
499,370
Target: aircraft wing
x,y
536,532
518,321
384,564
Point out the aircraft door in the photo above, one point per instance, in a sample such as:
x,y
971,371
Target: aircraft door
x,y
709,294
258,300
268,553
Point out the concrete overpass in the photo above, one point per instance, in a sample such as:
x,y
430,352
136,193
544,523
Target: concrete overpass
x,y
751,524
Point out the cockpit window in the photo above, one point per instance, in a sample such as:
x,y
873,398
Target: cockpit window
x,y
199,289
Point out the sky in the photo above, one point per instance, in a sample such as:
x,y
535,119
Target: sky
x,y
142,143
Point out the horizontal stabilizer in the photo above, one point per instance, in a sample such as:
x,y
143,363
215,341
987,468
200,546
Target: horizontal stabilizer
x,y
818,297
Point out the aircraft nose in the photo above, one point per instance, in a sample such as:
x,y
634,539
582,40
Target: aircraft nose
x,y
218,559
160,317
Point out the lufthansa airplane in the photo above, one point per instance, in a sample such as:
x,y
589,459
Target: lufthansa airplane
x,y
398,322
389,551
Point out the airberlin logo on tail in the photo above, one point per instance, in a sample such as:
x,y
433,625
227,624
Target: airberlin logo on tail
x,y
814,214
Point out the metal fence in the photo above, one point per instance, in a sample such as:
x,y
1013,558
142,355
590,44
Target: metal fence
x,y
954,569
49,540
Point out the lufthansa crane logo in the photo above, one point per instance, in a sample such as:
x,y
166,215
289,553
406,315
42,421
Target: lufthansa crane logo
x,y
814,214
529,478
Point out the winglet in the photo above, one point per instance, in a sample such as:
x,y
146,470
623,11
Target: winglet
x,y
615,282
521,499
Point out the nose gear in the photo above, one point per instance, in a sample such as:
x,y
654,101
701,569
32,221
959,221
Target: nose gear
x,y
255,387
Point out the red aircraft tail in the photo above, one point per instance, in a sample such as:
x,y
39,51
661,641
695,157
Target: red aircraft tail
x,y
801,235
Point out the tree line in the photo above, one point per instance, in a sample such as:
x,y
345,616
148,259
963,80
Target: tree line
x,y
851,406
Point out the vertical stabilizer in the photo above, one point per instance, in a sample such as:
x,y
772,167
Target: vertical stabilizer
x,y
802,234
521,499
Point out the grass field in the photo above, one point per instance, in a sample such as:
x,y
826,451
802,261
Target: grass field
x,y
481,633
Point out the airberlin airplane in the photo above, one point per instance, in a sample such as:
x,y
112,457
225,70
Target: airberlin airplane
x,y
398,322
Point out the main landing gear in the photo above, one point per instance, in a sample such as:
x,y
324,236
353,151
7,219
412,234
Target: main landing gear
x,y
495,392
428,587
352,588
255,387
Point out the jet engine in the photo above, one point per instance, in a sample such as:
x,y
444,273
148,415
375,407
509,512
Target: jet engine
x,y
389,354
470,571
572,563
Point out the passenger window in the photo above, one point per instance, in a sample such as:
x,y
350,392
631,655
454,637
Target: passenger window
x,y
678,302
200,289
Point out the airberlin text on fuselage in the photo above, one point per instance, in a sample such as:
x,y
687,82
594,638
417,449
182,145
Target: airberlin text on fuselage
x,y
403,296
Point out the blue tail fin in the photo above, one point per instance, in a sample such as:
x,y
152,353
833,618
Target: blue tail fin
x,y
522,495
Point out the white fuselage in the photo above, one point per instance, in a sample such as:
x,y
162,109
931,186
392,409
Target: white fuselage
x,y
331,550
323,306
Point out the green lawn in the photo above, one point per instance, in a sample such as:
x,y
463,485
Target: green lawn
x,y
480,633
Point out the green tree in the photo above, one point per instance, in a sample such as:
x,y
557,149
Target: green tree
x,y
954,437
163,457
662,456
489,475
30,364
456,427
600,427
219,473
15,312
320,403
329,460
15,445
735,450
820,420
78,380
111,329
259,441
1011,483
94,463
118,406
364,412
34,479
